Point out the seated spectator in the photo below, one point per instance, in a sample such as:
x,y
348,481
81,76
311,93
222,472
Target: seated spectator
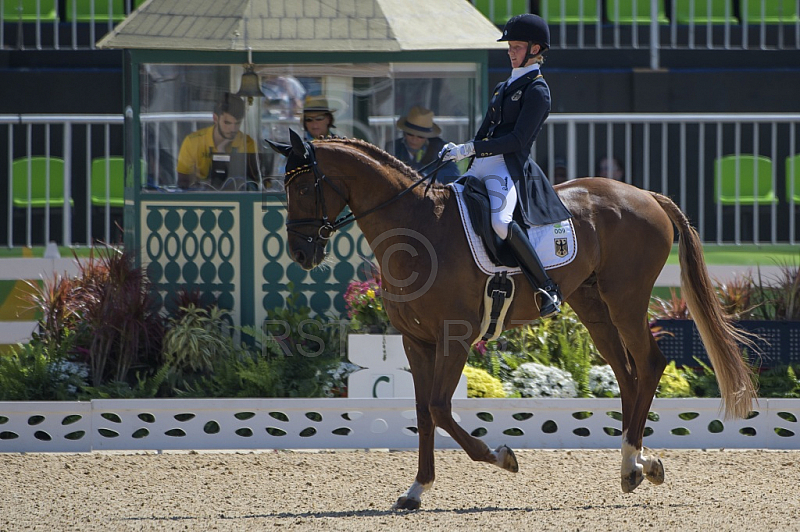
x,y
421,144
317,117
201,148
609,167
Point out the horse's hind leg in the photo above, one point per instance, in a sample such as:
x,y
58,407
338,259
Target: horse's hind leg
x,y
594,314
627,308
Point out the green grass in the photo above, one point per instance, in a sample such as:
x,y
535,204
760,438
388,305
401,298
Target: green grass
x,y
38,252
746,255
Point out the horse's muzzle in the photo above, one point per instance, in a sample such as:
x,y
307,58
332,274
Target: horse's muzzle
x,y
308,259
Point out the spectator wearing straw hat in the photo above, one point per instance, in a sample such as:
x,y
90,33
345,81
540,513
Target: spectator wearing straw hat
x,y
317,117
420,144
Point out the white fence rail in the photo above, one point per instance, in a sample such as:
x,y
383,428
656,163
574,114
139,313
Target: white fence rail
x,y
673,154
195,424
661,25
602,24
75,139
58,24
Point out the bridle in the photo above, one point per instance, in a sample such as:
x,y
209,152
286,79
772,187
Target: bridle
x,y
324,227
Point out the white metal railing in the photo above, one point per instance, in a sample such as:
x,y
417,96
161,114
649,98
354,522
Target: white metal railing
x,y
675,153
30,24
601,27
194,424
669,153
77,140
605,25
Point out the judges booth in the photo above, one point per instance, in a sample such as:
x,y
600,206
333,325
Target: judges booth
x,y
225,238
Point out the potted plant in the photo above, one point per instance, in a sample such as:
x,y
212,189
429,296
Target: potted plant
x,y
768,308
365,308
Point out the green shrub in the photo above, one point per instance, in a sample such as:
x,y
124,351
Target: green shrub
x,y
562,341
146,386
673,383
38,372
196,340
780,381
481,384
703,381
305,349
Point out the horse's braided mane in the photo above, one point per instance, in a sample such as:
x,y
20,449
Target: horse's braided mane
x,y
382,156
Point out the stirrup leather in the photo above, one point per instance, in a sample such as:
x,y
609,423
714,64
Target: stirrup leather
x,y
496,299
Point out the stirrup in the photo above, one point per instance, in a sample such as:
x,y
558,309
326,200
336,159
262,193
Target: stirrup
x,y
551,301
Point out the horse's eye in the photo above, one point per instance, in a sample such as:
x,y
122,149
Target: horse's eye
x,y
303,190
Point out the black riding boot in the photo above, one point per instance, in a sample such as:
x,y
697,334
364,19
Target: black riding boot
x,y
532,268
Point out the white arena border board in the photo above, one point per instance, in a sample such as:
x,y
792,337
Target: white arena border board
x,y
234,424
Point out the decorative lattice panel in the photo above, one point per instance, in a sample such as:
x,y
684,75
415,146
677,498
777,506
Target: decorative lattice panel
x,y
194,246
173,424
323,288
235,253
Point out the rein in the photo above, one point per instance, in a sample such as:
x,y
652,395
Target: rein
x,y
325,227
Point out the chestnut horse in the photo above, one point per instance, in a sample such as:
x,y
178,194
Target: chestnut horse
x,y
433,290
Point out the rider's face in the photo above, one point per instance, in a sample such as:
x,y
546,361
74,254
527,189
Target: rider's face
x,y
517,50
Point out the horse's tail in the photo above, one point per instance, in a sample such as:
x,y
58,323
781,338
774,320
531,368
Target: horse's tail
x,y
720,337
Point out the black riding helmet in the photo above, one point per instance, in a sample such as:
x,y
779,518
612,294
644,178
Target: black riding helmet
x,y
530,28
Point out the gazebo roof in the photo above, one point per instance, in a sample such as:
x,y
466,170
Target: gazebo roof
x,y
305,25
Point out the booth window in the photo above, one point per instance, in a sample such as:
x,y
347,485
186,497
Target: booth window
x,y
365,101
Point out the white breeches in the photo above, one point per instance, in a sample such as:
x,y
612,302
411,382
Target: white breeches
x,y
502,192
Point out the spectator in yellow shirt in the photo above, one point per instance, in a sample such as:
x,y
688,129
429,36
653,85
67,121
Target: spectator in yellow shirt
x,y
224,137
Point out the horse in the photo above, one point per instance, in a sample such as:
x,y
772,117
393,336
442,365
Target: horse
x,y
431,284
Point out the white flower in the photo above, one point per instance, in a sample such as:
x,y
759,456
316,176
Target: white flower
x,y
66,370
602,382
535,380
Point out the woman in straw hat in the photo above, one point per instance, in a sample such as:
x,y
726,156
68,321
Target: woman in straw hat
x,y
317,117
501,149
420,144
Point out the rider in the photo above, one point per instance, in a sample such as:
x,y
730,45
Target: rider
x,y
518,108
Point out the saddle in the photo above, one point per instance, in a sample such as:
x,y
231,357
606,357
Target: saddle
x,y
480,213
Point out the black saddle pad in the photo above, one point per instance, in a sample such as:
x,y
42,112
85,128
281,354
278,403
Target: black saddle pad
x,y
477,200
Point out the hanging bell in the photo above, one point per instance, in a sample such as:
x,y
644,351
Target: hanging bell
x,y
250,86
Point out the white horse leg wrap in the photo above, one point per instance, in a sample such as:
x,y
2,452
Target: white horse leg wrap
x,y
631,456
416,490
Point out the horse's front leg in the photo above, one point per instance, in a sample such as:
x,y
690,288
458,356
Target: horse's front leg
x,y
451,355
421,357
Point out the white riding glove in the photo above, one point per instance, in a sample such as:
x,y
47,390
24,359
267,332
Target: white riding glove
x,y
456,152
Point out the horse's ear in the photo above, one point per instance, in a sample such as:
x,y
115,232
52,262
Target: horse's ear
x,y
298,146
283,149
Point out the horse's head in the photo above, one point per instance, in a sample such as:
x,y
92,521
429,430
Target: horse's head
x,y
313,202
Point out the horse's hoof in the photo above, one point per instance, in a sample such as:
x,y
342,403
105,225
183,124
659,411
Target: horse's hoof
x,y
632,480
656,472
506,458
406,503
